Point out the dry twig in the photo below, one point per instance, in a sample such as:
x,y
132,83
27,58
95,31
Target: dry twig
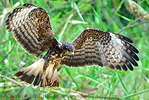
x,y
131,26
3,76
70,16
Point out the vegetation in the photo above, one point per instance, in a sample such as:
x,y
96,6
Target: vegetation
x,y
69,18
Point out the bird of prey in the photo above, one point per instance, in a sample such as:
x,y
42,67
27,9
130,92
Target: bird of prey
x,y
32,30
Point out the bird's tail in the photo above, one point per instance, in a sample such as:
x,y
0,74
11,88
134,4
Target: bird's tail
x,y
34,74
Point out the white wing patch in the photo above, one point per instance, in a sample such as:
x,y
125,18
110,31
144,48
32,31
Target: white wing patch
x,y
117,44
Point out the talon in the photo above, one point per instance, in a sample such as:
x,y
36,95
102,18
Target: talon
x,y
52,80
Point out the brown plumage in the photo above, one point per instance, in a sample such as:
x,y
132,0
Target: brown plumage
x,y
96,47
32,30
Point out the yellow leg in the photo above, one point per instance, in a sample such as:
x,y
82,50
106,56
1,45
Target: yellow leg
x,y
46,64
44,80
52,77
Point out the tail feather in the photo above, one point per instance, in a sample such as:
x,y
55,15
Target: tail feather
x,y
34,74
29,80
37,80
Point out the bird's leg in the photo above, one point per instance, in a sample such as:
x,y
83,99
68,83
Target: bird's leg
x,y
46,64
52,77
44,80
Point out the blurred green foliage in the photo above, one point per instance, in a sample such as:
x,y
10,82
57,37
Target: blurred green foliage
x,y
107,15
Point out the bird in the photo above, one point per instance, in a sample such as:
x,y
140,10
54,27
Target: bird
x,y
32,29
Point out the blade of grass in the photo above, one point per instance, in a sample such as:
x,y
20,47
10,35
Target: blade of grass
x,y
69,73
100,21
77,10
138,93
92,79
118,8
120,5
127,19
110,20
123,86
9,89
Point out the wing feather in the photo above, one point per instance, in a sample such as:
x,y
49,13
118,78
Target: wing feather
x,y
96,47
32,29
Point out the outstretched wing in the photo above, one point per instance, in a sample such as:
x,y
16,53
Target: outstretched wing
x,y
96,47
32,29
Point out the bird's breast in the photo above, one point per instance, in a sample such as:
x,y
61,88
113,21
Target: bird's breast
x,y
56,56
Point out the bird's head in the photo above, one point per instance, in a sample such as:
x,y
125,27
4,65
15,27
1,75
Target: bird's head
x,y
68,48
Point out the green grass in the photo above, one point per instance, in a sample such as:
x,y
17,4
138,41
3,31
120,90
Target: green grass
x,y
98,14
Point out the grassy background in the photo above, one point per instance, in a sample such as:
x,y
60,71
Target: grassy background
x,y
69,18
